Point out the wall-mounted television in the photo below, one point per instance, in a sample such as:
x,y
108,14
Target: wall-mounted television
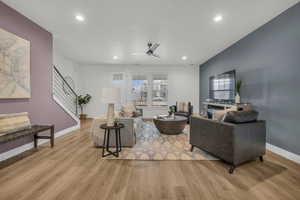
x,y
222,87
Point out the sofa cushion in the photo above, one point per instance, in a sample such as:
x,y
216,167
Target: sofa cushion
x,y
128,110
238,117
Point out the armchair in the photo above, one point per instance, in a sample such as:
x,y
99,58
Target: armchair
x,y
184,109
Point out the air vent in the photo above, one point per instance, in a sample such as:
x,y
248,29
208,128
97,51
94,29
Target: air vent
x,y
118,77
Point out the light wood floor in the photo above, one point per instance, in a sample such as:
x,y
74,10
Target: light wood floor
x,y
74,170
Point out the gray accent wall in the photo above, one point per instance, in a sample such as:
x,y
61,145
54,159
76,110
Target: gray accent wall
x,y
268,63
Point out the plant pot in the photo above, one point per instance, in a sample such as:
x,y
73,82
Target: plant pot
x,y
237,98
82,116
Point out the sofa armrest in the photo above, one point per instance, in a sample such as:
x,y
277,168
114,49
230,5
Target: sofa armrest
x,y
213,137
128,136
212,121
249,141
95,132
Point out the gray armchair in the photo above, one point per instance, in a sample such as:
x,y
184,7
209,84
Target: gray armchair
x,y
182,113
232,143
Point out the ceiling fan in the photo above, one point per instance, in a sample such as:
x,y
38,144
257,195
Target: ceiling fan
x,y
151,49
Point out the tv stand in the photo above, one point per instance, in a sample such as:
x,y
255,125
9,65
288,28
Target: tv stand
x,y
219,106
211,106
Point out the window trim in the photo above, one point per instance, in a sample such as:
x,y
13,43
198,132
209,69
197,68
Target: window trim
x,y
149,78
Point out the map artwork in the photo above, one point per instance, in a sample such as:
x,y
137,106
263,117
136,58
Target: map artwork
x,y
14,66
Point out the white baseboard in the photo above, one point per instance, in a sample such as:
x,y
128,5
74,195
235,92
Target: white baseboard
x,y
25,147
284,153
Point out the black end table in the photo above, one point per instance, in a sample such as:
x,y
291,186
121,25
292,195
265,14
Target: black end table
x,y
117,129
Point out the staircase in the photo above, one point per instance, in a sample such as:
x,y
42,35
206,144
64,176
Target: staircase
x,y
64,95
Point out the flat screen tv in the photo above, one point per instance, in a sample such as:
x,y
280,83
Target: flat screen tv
x,y
222,87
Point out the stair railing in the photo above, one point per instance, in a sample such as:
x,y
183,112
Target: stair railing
x,y
64,92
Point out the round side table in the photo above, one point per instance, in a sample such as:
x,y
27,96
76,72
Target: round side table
x,y
106,141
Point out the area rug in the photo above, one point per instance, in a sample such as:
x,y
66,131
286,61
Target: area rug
x,y
151,145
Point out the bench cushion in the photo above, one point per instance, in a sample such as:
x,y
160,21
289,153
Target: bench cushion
x,y
13,122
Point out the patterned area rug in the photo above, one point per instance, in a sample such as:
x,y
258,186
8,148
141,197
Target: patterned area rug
x,y
151,145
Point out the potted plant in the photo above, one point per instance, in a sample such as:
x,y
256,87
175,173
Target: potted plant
x,y
83,100
238,90
172,111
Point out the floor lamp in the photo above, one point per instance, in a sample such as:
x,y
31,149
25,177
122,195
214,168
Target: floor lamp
x,y
111,96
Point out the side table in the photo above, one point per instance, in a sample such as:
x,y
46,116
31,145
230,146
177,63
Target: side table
x,y
106,141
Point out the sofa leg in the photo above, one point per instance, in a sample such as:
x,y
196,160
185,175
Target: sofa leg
x,y
231,169
192,148
261,158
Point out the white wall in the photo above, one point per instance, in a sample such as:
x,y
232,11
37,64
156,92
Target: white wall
x,y
67,67
183,83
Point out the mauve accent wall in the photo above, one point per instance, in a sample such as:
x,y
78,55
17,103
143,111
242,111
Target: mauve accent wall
x,y
268,62
41,107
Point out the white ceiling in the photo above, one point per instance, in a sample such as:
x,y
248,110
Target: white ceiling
x,y
123,27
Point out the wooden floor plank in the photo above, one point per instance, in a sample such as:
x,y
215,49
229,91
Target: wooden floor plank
x,y
74,170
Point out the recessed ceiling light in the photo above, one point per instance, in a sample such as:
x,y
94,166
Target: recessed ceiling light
x,y
80,18
218,18
115,57
183,57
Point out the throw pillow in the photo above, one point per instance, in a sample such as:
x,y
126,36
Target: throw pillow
x,y
238,117
181,107
218,115
186,107
128,110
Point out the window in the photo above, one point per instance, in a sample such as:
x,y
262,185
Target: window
x,y
159,90
118,77
139,90
150,90
222,87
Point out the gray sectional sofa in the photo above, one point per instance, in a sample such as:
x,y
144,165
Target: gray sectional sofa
x,y
232,143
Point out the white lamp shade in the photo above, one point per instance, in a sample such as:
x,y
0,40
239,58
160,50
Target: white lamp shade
x,y
111,95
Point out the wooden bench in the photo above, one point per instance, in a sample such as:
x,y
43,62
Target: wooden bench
x,y
17,125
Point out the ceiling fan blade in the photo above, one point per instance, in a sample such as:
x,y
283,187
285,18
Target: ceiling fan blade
x,y
155,55
154,47
149,52
138,54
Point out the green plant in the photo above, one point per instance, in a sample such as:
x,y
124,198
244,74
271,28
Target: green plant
x,y
172,109
238,86
83,100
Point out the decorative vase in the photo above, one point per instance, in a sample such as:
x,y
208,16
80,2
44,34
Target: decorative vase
x,y
173,116
237,98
